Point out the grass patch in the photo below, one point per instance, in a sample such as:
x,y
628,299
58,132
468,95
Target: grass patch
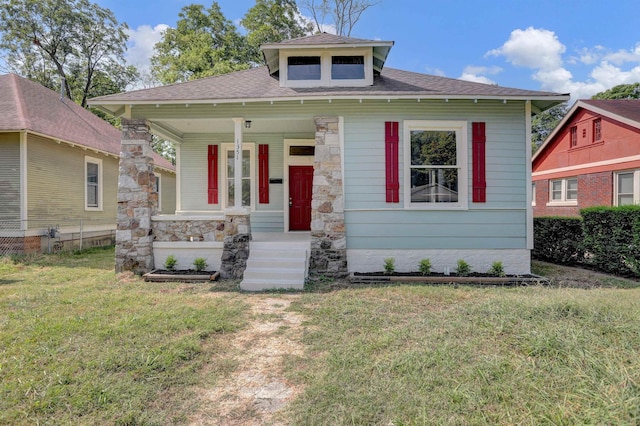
x,y
81,345
413,355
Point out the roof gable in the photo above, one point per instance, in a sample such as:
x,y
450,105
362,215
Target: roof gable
x,y
28,106
626,111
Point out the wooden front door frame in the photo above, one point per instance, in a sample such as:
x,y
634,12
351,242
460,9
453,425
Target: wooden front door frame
x,y
293,161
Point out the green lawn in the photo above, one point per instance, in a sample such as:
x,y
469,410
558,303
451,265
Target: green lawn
x,y
80,345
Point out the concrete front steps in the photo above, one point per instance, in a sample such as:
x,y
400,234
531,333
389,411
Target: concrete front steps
x,y
273,265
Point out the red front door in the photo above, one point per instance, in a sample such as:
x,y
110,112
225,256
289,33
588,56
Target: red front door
x,y
300,186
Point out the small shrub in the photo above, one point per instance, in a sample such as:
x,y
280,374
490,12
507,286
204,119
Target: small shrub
x,y
463,268
497,269
389,265
200,264
170,262
425,266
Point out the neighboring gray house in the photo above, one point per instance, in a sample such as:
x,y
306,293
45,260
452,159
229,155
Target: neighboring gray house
x,y
59,171
356,161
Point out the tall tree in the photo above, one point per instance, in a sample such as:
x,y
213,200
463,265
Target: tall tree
x,y
345,14
622,91
543,124
271,21
204,43
73,43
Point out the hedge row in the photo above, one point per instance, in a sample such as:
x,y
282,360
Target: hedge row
x,y
607,238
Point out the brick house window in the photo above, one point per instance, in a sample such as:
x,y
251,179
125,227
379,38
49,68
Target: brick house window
x,y
563,192
627,188
597,129
574,136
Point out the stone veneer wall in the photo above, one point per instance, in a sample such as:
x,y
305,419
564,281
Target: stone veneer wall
x,y
137,200
328,234
237,236
189,230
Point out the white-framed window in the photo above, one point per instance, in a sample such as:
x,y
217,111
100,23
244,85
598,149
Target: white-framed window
x,y
157,189
351,67
627,188
93,184
435,158
563,192
248,175
533,194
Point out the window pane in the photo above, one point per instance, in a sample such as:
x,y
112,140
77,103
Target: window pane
x,y
347,67
625,200
625,183
246,177
572,189
433,148
303,68
434,185
556,190
92,184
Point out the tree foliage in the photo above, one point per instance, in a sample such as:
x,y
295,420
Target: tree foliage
x,y
271,21
204,43
344,14
543,124
622,91
75,43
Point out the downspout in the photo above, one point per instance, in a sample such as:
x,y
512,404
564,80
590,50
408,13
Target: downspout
x,y
23,181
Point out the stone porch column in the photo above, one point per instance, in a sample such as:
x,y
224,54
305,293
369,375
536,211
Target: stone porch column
x,y
237,236
328,234
137,199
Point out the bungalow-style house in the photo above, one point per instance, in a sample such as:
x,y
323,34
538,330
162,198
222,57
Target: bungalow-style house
x,y
592,158
59,172
326,155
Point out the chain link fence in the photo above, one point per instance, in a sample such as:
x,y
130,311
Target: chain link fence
x,y
53,235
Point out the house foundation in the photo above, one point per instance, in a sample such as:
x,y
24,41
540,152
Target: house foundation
x,y
328,234
137,199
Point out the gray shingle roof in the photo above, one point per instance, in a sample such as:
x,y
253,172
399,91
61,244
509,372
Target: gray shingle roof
x,y
323,39
627,108
257,84
27,105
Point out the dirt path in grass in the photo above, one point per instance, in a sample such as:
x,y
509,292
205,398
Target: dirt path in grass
x,y
256,390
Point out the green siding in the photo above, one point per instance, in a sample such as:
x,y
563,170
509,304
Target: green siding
x,y
9,176
371,222
56,179
168,192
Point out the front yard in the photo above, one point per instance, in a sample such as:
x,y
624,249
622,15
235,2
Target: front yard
x,y
81,345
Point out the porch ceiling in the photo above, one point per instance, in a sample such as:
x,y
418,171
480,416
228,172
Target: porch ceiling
x,y
179,127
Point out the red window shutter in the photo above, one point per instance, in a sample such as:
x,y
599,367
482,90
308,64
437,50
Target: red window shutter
x,y
263,171
391,162
212,173
479,140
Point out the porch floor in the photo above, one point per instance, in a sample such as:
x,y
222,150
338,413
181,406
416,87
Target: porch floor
x,y
274,237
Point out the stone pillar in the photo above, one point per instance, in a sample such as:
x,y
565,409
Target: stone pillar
x,y
237,235
137,199
328,234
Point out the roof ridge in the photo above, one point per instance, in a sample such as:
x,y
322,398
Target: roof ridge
x,y
21,105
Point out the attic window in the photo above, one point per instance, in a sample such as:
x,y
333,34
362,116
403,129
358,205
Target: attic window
x,y
347,67
303,68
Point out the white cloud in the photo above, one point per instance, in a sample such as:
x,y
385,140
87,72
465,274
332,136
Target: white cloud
x,y
141,42
532,48
477,74
542,51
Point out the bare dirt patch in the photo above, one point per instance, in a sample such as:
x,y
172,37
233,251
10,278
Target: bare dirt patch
x,y
256,390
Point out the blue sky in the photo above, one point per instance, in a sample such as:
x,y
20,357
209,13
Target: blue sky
x,y
577,47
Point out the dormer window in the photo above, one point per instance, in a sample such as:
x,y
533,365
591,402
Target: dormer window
x,y
347,67
304,68
337,67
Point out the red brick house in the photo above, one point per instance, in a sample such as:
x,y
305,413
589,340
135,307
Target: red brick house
x,y
592,158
